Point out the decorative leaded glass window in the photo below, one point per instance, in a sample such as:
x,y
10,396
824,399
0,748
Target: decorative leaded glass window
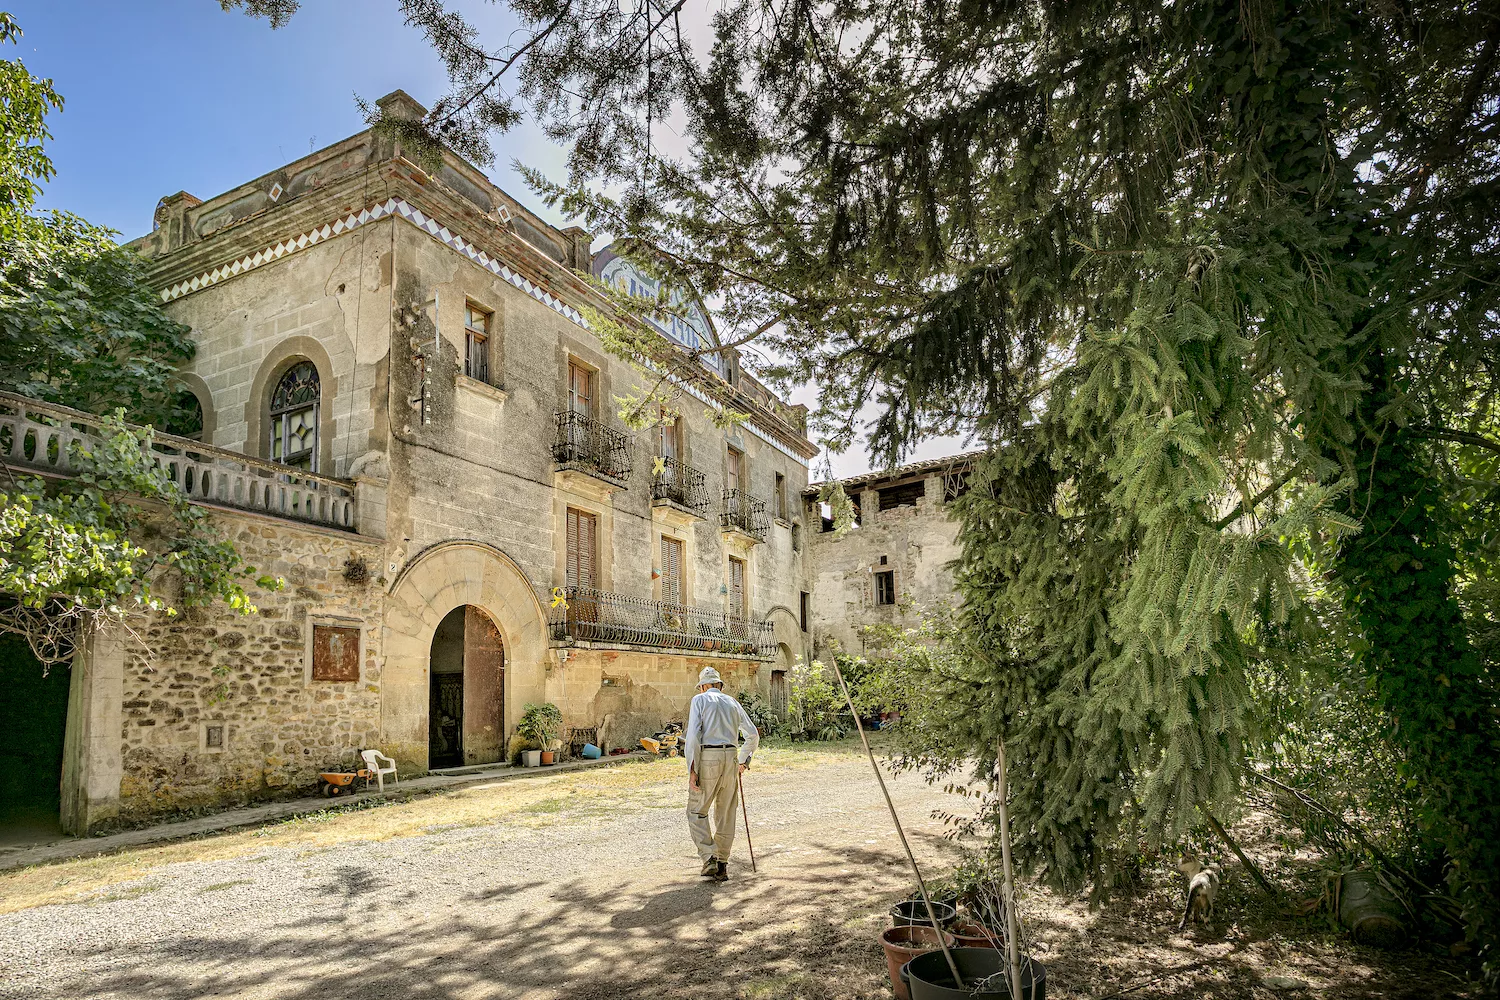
x,y
294,417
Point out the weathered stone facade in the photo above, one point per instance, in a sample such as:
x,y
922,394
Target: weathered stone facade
x,y
913,539
248,676
360,274
470,529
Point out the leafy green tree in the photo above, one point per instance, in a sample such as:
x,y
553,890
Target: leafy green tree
x,y
1216,280
80,326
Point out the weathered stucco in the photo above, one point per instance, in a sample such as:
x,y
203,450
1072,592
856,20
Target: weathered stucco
x,y
359,261
916,543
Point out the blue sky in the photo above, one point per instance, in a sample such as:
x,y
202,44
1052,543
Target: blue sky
x,y
172,95
164,96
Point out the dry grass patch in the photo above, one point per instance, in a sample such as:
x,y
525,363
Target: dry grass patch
x,y
542,801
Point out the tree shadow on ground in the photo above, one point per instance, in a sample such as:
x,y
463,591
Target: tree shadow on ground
x,y
809,935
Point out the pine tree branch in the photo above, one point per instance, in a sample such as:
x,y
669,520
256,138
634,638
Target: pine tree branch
x,y
1246,506
1459,437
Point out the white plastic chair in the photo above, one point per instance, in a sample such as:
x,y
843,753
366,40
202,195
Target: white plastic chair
x,y
373,760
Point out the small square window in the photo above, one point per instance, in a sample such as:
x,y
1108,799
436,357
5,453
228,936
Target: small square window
x,y
335,653
213,737
476,342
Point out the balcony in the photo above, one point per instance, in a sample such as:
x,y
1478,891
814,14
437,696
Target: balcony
x,y
40,438
587,445
680,486
601,618
745,514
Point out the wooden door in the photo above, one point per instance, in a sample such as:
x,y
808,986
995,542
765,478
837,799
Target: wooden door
x,y
673,590
738,627
580,389
779,692
484,690
733,470
582,571
669,438
737,586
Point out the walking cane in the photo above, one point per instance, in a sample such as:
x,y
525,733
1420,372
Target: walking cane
x,y
746,813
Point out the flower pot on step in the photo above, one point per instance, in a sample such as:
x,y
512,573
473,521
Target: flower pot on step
x,y
913,912
548,757
972,935
531,758
901,945
928,978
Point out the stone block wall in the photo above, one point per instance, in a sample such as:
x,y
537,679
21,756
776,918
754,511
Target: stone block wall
x,y
918,542
250,676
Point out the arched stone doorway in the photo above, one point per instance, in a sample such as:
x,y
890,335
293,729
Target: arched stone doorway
x,y
436,582
466,691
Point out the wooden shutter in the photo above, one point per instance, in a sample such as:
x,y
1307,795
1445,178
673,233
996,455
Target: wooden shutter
x,y
582,548
669,438
671,571
736,586
733,470
580,388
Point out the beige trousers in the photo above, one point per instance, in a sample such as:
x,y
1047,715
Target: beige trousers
x,y
717,795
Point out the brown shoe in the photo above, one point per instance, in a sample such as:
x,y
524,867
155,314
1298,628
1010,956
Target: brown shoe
x,y
722,874
710,868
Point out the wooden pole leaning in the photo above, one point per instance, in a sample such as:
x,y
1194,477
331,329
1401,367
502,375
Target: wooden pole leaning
x,y
937,928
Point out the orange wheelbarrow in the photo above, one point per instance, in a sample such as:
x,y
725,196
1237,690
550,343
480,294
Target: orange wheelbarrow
x,y
340,782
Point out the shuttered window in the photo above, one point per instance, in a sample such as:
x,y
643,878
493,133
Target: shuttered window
x,y
580,389
734,470
669,437
672,583
737,586
583,548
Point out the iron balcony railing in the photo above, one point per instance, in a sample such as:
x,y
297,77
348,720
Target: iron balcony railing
x,y
681,484
40,437
743,512
589,446
598,616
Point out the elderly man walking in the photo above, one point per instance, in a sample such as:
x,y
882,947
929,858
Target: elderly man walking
x,y
715,762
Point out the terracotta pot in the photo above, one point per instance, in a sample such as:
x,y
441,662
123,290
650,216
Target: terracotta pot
x,y
914,911
548,756
971,935
901,945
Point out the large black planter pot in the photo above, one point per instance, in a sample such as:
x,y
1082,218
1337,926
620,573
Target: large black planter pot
x,y
913,913
928,978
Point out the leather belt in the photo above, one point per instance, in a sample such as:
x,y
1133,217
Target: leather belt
x,y
718,746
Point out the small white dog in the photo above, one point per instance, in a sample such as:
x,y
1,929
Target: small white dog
x,y
1203,887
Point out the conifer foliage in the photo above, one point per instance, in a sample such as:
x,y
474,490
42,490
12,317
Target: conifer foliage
x,y
1217,280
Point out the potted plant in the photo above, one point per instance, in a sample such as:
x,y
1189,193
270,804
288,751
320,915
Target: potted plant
x,y
539,726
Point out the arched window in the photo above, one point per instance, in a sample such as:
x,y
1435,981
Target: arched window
x,y
187,416
294,417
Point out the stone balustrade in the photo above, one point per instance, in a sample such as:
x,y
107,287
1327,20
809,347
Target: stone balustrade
x,y
41,437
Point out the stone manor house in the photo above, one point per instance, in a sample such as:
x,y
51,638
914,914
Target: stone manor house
x,y
403,413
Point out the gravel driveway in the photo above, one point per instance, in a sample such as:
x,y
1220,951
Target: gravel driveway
x,y
580,886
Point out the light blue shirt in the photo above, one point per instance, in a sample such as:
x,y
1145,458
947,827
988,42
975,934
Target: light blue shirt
x,y
717,719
